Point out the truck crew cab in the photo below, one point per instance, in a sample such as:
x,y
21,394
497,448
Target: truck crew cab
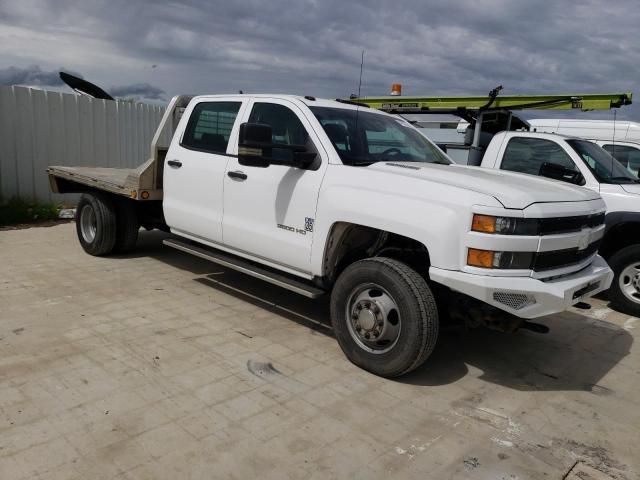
x,y
322,196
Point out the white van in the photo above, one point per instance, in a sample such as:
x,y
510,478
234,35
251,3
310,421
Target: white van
x,y
589,129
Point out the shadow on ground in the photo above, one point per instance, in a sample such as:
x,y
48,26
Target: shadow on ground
x,y
577,353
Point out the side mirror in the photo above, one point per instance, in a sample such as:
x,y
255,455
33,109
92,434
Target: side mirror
x,y
255,149
558,172
254,145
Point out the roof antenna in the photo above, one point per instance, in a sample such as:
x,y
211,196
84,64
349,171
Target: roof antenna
x,y
361,65
613,142
359,86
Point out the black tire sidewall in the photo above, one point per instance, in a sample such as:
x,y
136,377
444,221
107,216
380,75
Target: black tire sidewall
x,y
104,212
127,226
410,345
618,262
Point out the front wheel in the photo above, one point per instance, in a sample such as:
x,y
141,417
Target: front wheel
x,y
625,289
384,316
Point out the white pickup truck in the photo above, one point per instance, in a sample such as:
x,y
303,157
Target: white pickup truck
x,y
323,196
584,163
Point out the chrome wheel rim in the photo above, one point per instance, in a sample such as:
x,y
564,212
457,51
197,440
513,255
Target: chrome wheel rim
x,y
373,318
629,282
88,223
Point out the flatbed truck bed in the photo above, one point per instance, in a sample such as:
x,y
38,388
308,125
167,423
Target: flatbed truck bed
x,y
121,181
143,183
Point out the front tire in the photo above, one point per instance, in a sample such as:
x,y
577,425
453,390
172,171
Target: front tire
x,y
625,288
384,316
96,223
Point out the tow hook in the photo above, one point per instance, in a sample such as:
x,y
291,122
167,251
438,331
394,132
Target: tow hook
x,y
535,327
583,306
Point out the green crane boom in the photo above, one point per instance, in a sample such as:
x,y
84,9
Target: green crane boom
x,y
584,102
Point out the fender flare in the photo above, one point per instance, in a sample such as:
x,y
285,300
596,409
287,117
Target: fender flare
x,y
613,219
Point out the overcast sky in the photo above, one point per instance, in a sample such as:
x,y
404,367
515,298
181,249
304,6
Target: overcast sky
x,y
156,49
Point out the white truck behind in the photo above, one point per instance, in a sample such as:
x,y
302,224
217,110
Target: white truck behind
x,y
584,163
322,196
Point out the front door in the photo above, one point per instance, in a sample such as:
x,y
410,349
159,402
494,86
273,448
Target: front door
x,y
194,170
270,212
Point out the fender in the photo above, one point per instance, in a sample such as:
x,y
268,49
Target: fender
x,y
613,219
426,212
621,230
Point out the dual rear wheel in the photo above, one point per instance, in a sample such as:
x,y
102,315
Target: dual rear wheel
x,y
106,226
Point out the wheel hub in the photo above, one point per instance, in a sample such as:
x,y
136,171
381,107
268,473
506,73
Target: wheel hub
x,y
629,281
374,319
88,224
366,319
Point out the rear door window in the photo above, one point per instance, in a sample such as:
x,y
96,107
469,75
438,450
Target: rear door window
x,y
210,126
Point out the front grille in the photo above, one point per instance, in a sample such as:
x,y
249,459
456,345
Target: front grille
x,y
552,226
562,258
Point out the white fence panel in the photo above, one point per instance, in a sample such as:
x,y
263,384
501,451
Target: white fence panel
x,y
39,128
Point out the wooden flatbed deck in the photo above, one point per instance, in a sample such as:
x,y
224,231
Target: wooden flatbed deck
x,y
121,181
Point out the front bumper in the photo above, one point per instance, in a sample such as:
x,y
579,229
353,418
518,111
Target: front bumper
x,y
528,297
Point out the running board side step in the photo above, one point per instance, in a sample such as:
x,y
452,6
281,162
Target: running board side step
x,y
246,267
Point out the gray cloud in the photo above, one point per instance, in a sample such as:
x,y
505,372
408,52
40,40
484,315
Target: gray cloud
x,y
139,90
313,47
31,75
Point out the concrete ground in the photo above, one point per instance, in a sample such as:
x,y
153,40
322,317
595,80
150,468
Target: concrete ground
x,y
159,365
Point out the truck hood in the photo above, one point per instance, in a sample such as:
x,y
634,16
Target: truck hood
x,y
512,190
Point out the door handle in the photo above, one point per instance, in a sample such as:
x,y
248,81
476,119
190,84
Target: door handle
x,y
237,175
174,163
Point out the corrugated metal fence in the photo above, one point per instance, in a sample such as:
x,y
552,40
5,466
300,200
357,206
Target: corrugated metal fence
x,y
39,128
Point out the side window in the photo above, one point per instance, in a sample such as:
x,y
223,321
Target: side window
x,y
627,156
528,155
210,125
286,128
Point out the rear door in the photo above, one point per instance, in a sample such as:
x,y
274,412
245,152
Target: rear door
x,y
195,166
270,212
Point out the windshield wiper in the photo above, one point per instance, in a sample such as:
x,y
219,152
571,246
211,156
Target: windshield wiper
x,y
362,163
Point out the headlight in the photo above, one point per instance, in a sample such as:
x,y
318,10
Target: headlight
x,y
503,260
504,225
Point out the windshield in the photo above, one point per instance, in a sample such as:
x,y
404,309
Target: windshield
x,y
363,138
603,166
